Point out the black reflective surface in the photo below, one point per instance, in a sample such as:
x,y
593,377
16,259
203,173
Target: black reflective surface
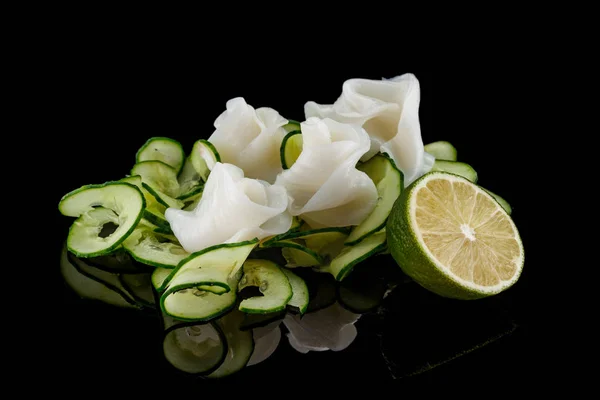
x,y
112,104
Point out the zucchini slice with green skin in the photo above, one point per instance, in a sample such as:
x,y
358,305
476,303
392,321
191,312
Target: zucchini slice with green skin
x,y
441,150
145,247
139,287
190,182
89,287
192,347
343,264
291,147
240,345
117,202
272,283
162,198
389,182
326,242
204,156
166,150
457,168
160,177
154,212
199,289
296,225
300,295
298,255
292,125
503,203
159,278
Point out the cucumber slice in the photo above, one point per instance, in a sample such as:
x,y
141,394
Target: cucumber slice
x,y
190,182
139,287
441,150
157,217
162,198
90,288
290,149
503,203
162,149
204,156
456,167
326,242
298,255
272,283
296,225
300,295
343,264
291,126
146,246
240,345
194,348
159,278
160,180
190,288
121,203
389,182
154,213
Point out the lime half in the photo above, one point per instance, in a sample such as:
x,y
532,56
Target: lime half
x,y
454,238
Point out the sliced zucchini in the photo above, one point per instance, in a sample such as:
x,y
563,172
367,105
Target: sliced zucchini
x,y
300,295
389,182
456,167
264,345
194,348
191,203
162,198
343,264
160,177
149,248
204,156
503,203
162,149
298,255
291,126
156,217
190,288
154,212
159,278
326,242
89,287
291,147
296,225
441,150
190,182
272,283
119,203
240,345
139,287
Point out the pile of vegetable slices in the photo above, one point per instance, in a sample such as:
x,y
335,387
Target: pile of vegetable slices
x,y
219,305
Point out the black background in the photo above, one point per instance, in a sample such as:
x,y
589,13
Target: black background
x,y
104,98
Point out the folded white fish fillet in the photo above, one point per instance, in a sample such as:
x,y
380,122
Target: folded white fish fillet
x,y
324,186
250,139
389,111
232,209
329,329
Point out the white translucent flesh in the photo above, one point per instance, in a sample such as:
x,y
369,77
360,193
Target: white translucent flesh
x,y
389,111
331,328
324,186
250,139
232,209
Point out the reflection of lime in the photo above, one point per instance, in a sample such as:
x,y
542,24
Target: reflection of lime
x,y
453,238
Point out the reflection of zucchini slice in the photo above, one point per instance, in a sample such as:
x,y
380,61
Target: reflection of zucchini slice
x,y
88,286
114,204
253,321
240,345
272,283
194,348
362,291
139,286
